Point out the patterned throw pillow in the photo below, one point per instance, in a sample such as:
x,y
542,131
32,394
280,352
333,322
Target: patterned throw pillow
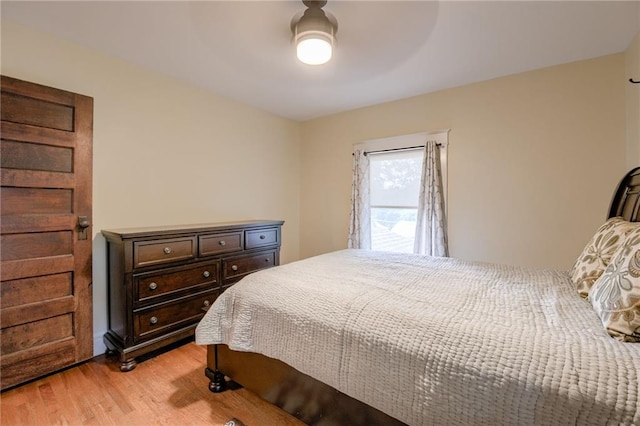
x,y
597,254
615,296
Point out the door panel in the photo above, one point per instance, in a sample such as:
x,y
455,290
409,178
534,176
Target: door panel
x,y
31,290
45,274
21,109
32,156
35,333
33,245
29,201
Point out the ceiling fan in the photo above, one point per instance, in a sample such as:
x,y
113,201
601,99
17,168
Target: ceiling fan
x,y
314,33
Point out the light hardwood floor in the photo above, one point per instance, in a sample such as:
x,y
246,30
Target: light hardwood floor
x,y
168,389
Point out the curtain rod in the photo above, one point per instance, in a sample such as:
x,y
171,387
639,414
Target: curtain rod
x,y
408,148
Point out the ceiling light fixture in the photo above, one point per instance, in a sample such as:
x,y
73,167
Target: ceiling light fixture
x,y
314,33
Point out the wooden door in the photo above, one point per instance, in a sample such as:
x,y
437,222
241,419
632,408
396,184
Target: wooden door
x,y
45,272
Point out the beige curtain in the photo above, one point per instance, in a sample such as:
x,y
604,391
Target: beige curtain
x,y
360,216
431,225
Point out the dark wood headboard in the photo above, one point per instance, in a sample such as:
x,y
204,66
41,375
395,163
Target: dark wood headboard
x,y
626,199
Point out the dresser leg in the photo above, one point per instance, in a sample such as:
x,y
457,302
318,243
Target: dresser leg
x,y
128,365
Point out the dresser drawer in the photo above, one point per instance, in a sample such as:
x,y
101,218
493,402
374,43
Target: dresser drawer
x,y
164,318
219,243
235,268
155,252
261,237
148,287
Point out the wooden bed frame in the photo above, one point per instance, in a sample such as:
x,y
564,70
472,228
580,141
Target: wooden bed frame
x,y
626,200
311,400
302,396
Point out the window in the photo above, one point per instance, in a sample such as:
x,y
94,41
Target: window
x,y
394,189
385,218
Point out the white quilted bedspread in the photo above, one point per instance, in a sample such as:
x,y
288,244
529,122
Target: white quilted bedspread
x,y
434,341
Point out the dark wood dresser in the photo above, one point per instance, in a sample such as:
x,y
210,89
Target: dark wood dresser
x,y
161,280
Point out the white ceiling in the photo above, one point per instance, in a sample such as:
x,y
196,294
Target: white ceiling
x,y
386,50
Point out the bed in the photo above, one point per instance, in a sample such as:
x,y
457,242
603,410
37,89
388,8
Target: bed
x,y
361,337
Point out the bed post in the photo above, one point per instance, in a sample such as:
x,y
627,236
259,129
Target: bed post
x,y
217,383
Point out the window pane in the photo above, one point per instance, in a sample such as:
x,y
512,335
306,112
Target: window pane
x,y
395,178
393,229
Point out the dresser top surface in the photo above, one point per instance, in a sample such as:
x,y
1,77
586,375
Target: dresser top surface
x,y
137,232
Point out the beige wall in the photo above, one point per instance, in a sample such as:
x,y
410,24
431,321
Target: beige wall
x,y
533,161
632,70
164,152
533,157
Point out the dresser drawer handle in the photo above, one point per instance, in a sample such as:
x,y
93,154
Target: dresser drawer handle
x,y
234,267
266,259
222,243
206,303
167,250
262,237
153,286
206,274
153,320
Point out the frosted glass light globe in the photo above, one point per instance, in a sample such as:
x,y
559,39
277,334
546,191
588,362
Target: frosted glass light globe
x,y
314,50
